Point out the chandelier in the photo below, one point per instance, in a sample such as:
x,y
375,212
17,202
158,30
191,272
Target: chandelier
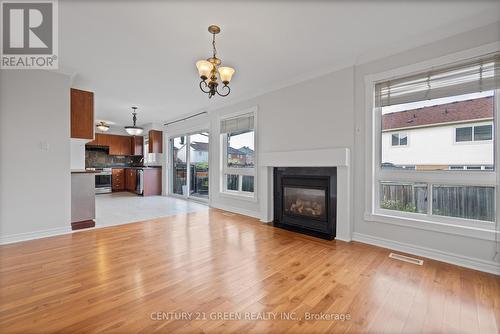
x,y
102,126
134,130
208,70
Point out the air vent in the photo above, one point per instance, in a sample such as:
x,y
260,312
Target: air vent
x,y
406,259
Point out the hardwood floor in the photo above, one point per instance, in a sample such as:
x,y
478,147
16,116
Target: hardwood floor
x,y
127,278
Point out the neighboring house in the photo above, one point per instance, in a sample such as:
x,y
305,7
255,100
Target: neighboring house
x,y
236,156
248,153
199,153
180,154
243,156
455,135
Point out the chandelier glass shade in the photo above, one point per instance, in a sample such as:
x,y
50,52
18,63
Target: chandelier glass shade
x,y
102,126
134,130
211,72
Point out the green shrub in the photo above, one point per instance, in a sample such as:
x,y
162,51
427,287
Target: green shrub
x,y
398,205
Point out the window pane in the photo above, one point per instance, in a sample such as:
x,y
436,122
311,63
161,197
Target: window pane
x,y
395,139
463,134
179,159
403,139
240,149
436,126
198,157
408,197
483,132
247,183
232,182
471,202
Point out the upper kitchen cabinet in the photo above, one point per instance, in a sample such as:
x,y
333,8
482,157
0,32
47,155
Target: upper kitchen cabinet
x,y
119,145
137,145
100,140
155,144
82,114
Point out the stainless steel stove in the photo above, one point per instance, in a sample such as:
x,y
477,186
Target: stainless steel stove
x,y
103,178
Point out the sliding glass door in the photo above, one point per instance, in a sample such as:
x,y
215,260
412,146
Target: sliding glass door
x,y
198,164
179,165
190,172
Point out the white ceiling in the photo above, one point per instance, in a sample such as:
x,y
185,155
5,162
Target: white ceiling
x,y
143,53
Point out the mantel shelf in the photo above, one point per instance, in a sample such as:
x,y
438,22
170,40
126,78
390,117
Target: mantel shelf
x,y
331,157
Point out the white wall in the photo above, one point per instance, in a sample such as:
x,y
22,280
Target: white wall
x,y
445,151
35,184
77,149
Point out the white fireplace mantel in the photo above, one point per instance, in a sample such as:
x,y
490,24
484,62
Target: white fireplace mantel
x,y
331,157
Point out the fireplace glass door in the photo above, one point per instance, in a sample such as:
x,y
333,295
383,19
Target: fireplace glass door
x,y
305,202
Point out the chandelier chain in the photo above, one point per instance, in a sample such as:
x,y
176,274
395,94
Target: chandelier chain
x,y
213,45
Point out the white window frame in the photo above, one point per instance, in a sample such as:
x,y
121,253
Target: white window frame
x,y
399,139
374,174
225,170
473,132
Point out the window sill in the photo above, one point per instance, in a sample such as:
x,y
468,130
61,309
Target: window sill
x,y
465,231
239,196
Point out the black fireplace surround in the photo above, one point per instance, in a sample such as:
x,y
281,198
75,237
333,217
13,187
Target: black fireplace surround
x,y
305,200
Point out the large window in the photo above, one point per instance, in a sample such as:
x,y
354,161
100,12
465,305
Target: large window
x,y
238,147
450,115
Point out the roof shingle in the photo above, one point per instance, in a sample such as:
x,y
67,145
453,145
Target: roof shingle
x,y
459,111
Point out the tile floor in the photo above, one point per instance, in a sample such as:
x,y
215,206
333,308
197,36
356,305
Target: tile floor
x,y
123,207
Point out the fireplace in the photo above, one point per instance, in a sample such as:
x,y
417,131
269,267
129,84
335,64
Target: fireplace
x,y
305,200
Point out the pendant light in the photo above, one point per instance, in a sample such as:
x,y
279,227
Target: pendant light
x,y
102,126
134,130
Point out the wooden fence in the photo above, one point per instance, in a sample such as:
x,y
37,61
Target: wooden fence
x,y
471,202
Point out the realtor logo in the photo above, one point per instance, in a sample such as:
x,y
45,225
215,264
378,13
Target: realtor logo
x,y
29,35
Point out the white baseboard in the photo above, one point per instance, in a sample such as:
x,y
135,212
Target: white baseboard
x,y
343,239
240,211
12,238
491,267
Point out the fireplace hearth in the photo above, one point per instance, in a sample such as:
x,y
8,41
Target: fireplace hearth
x,y
305,200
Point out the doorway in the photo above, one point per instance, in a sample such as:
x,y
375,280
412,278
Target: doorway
x,y
190,165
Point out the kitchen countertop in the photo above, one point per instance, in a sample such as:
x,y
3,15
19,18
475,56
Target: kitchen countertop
x,y
113,167
145,167
83,171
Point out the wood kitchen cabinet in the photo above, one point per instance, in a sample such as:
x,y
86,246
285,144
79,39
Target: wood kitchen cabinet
x,y
82,114
155,144
113,144
130,179
118,179
100,140
119,145
137,145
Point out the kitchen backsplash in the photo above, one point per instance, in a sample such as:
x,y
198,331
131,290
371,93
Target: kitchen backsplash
x,y
101,159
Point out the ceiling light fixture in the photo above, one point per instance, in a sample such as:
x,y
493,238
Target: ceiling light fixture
x,y
102,126
208,70
134,130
